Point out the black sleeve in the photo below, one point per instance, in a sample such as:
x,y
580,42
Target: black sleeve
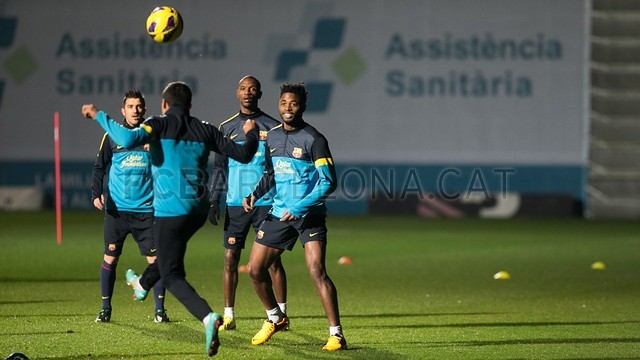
x,y
218,177
241,153
103,160
267,181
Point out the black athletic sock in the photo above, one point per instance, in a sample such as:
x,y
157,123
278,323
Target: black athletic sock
x,y
107,281
158,294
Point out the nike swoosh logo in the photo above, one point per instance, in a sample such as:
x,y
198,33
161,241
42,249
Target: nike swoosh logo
x,y
272,150
118,147
314,234
233,136
153,250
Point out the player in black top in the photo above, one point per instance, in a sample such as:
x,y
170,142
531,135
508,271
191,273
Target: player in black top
x,y
179,145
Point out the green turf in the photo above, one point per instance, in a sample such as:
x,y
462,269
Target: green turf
x,y
417,289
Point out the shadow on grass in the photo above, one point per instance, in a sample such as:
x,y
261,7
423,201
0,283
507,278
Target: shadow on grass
x,y
300,345
382,315
347,354
295,345
166,355
30,333
539,342
353,351
175,332
395,315
605,358
510,324
85,315
15,302
46,280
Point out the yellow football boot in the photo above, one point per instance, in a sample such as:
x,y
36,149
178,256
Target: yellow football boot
x,y
335,343
268,329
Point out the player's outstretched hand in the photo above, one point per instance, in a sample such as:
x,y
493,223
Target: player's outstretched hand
x,y
247,203
214,213
248,126
89,111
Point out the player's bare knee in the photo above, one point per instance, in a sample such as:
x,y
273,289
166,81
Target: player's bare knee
x,y
257,274
253,274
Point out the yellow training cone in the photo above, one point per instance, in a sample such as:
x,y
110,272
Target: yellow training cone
x,y
598,265
502,275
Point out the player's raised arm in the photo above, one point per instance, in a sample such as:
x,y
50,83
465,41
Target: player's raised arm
x,y
219,185
219,176
89,111
118,133
242,153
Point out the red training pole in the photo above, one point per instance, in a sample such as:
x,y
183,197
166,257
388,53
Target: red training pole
x,y
58,188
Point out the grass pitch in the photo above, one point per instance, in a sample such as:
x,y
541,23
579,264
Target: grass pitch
x,y
417,289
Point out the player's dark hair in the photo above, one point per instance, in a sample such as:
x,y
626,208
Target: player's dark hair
x,y
133,94
258,84
295,88
177,93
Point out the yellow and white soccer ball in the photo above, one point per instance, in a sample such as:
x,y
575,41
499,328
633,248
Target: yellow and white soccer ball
x,y
164,24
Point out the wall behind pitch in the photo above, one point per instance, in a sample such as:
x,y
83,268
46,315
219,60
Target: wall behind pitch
x,y
412,83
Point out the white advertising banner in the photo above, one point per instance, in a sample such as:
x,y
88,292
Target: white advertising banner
x,y
410,81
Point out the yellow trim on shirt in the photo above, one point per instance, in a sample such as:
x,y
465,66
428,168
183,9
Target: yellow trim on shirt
x,y
323,161
147,128
104,138
226,121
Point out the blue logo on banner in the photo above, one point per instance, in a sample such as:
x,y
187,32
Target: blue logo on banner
x,y
327,35
7,34
20,64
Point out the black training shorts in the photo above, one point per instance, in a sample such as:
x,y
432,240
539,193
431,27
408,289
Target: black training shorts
x,y
119,224
237,223
283,235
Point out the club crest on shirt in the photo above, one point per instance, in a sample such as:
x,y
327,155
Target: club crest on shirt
x,y
263,134
112,247
260,234
231,240
297,152
146,147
